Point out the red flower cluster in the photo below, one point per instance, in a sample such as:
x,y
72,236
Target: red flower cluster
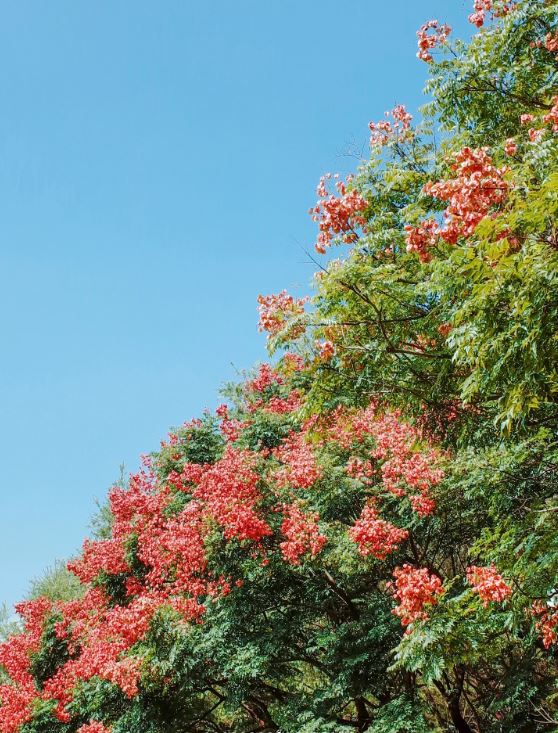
x,y
157,556
488,583
302,533
16,706
277,310
337,215
100,635
15,659
229,491
230,428
403,467
266,377
375,536
363,470
284,405
535,133
423,504
107,555
99,659
414,589
170,546
430,35
93,727
547,622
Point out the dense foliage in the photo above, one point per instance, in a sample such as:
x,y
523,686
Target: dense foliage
x,y
364,537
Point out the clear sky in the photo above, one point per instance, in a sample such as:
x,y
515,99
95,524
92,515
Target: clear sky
x,y
157,161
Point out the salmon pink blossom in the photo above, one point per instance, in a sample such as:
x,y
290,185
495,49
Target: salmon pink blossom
x,y
93,727
488,583
415,589
302,534
546,622
276,311
375,536
339,215
430,35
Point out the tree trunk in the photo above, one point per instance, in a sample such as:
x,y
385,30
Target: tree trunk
x,y
457,719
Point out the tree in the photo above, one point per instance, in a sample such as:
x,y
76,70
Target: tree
x,y
364,536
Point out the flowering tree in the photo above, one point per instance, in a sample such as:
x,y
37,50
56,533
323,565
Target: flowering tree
x,y
363,536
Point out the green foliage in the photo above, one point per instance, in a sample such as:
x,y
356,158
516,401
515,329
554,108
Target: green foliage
x,y
56,584
402,715
52,654
267,430
8,624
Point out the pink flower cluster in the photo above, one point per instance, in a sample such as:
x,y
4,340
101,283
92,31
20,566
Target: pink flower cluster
x,y
547,622
422,239
414,589
93,727
337,215
430,35
405,469
552,117
302,534
477,189
300,469
229,491
266,377
383,131
284,405
488,583
277,310
551,42
326,350
482,7
375,536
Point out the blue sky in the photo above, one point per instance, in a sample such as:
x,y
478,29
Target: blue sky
x,y
157,161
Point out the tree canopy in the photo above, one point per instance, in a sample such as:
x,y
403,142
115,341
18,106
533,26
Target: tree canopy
x,y
364,535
